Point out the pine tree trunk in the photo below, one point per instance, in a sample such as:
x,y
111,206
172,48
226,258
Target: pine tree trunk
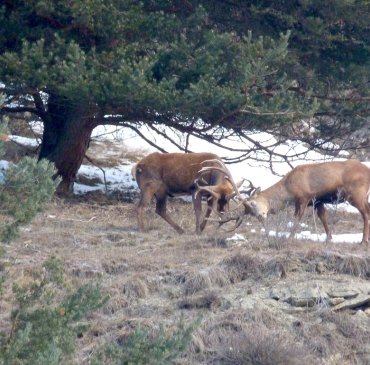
x,y
66,138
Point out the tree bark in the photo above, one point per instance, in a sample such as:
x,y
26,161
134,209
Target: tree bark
x,y
66,137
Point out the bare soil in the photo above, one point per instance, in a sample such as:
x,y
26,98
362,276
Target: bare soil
x,y
239,287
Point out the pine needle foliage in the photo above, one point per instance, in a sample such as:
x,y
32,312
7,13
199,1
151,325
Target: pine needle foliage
x,y
141,348
26,188
46,320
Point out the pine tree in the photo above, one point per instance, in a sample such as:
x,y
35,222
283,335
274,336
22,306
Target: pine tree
x,y
205,68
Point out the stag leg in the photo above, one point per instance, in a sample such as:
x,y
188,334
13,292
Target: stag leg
x,y
321,213
362,204
161,209
365,213
207,214
197,204
366,233
145,199
300,207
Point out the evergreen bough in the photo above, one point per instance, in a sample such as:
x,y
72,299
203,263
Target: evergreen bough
x,y
143,349
25,188
46,320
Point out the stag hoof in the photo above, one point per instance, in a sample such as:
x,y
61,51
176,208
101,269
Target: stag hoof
x,y
179,230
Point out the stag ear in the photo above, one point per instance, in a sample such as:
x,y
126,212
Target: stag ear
x,y
255,192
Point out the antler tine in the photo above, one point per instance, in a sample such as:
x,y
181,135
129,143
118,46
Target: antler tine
x,y
204,188
250,183
217,162
248,191
222,168
225,217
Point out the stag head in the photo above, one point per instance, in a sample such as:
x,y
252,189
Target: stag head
x,y
251,206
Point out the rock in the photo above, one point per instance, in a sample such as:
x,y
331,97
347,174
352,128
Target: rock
x,y
307,297
335,301
342,293
280,294
353,303
361,314
301,302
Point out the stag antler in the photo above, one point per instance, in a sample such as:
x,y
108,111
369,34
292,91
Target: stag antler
x,y
227,217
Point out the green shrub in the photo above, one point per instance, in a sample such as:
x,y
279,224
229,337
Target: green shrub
x,y
26,188
143,349
45,320
3,131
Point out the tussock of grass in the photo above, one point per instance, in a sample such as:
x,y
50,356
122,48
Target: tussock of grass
x,y
115,268
207,278
336,335
353,265
210,300
350,264
257,345
135,288
241,267
234,340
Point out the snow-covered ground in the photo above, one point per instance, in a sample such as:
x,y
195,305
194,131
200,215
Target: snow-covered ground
x,y
119,177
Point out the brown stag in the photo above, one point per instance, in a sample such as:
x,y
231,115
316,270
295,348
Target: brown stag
x,y
169,174
312,185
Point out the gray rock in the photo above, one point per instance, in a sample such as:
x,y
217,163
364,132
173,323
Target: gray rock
x,y
343,293
353,303
307,297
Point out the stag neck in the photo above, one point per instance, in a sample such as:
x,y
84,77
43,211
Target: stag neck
x,y
276,196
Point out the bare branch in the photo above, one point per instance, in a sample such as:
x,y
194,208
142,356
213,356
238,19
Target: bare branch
x,y
136,130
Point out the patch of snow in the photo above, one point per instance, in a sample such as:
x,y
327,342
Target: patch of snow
x,y
116,178
37,127
236,237
308,235
24,141
291,224
4,165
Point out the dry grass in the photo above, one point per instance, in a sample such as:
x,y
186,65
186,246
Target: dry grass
x,y
152,278
109,154
246,339
210,300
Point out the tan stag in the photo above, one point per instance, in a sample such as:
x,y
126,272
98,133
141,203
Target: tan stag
x,y
313,184
169,174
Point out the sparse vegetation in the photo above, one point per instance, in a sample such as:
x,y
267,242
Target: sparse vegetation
x,y
45,320
238,289
143,348
261,301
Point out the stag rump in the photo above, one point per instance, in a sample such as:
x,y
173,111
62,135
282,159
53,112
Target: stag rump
x,y
316,185
168,174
